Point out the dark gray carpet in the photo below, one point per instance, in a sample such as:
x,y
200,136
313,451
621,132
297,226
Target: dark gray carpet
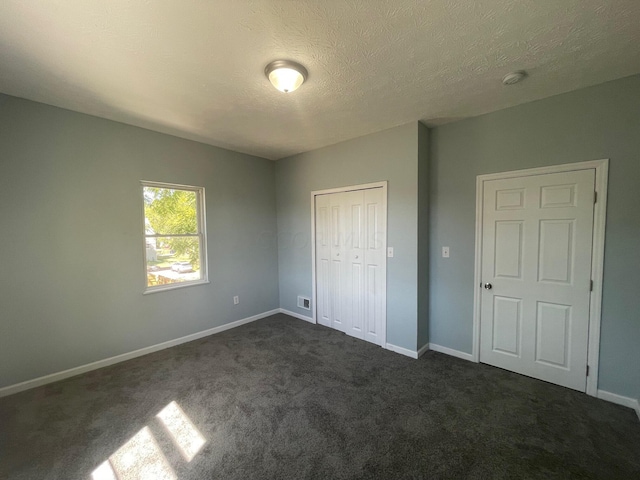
x,y
280,398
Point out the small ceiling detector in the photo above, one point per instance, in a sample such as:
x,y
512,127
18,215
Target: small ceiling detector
x,y
514,77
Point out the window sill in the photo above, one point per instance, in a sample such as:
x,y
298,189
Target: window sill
x,y
174,286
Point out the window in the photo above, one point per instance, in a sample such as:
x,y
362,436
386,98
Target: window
x,y
174,236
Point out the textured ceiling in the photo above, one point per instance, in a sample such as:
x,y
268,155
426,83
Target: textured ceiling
x,y
194,68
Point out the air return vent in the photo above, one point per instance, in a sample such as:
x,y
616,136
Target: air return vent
x,y
304,302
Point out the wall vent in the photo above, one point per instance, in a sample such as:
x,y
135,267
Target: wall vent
x,y
304,302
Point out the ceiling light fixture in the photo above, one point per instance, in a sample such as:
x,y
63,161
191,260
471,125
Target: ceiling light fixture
x,y
286,75
514,77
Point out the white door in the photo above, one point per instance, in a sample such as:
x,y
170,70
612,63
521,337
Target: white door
x,y
330,260
323,261
536,264
351,263
375,266
353,293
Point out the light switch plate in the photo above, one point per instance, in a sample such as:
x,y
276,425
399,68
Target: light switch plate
x,y
390,252
445,252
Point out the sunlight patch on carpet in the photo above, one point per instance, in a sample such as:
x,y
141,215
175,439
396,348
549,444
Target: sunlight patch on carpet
x,y
183,433
139,458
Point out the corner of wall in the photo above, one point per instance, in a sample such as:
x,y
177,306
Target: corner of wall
x,y
423,236
275,233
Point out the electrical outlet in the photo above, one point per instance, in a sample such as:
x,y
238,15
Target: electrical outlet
x,y
445,252
390,252
236,300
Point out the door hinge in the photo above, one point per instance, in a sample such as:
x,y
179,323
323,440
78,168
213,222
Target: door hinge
x,y
587,370
595,197
591,286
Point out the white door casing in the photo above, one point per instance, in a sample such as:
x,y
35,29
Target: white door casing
x,y
349,260
539,243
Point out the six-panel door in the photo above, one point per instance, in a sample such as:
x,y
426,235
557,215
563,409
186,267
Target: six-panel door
x,y
536,258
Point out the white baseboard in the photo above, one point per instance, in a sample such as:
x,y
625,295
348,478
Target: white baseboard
x,y
620,400
451,351
296,315
388,346
54,377
401,350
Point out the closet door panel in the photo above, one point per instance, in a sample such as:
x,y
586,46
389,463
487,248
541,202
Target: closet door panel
x,y
376,266
338,269
323,260
355,273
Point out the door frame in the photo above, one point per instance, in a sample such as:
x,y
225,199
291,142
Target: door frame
x,y
601,168
348,188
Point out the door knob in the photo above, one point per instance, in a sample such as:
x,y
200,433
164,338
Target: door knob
x,y
488,286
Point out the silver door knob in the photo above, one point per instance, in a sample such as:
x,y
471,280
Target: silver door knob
x,y
488,286
356,257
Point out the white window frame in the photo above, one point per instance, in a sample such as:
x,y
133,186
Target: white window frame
x,y
201,234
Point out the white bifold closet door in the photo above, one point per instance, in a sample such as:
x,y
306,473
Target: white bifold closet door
x,y
351,242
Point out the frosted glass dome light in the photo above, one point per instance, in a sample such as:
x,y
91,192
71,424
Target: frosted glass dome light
x,y
286,75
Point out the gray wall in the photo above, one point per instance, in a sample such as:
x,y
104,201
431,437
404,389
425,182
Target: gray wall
x,y
71,213
71,238
593,123
389,155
